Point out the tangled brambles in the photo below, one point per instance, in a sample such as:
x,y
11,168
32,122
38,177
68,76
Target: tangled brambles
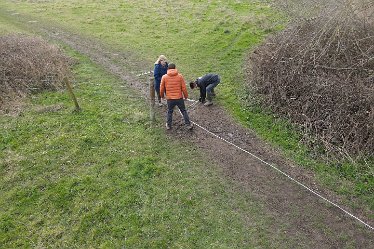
x,y
29,65
320,75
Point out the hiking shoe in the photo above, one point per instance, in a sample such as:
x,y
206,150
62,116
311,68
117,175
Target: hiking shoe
x,y
190,126
208,103
168,127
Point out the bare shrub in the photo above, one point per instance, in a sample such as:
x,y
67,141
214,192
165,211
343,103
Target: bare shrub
x,y
29,65
319,73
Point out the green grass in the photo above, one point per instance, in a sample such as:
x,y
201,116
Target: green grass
x,y
102,178
6,27
220,35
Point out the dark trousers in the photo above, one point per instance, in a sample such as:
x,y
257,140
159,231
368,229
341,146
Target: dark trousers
x,y
180,103
158,96
157,90
210,89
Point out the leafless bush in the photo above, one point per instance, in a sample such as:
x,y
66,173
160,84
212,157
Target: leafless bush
x,y
28,65
320,74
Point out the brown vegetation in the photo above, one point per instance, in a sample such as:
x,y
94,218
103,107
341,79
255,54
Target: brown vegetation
x,y
320,74
29,65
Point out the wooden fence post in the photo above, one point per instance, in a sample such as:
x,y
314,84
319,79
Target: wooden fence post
x,y
70,89
152,98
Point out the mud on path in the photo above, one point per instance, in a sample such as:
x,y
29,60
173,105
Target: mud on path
x,y
303,218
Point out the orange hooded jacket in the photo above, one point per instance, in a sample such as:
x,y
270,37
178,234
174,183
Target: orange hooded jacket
x,y
173,85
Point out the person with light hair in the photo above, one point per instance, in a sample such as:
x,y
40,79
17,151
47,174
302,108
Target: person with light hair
x,y
161,67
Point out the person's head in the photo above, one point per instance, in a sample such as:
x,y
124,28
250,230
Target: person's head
x,y
193,84
161,60
172,66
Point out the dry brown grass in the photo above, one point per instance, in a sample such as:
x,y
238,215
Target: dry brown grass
x,y
319,73
29,65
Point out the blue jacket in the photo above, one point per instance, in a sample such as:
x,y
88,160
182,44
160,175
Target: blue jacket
x,y
158,72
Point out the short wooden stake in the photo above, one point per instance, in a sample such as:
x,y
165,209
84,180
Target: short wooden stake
x,y
70,89
152,98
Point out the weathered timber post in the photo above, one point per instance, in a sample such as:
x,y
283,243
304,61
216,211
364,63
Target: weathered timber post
x,y
152,98
70,89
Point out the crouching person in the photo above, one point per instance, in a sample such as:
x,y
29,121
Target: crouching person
x,y
206,83
174,86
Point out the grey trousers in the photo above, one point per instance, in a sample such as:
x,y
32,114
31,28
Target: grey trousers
x,y
210,89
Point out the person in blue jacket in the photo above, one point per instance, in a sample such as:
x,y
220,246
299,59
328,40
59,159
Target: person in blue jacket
x,y
161,68
206,84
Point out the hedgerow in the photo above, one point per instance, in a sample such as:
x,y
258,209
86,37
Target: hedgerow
x,y
319,74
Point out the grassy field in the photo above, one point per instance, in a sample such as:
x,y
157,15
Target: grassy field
x,y
152,193
7,27
102,178
220,36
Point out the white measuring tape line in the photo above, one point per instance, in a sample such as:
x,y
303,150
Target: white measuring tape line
x,y
192,100
283,173
145,73
193,106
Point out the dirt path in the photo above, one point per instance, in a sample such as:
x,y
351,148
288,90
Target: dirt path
x,y
301,216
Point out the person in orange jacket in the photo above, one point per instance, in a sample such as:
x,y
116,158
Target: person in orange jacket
x,y
174,87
